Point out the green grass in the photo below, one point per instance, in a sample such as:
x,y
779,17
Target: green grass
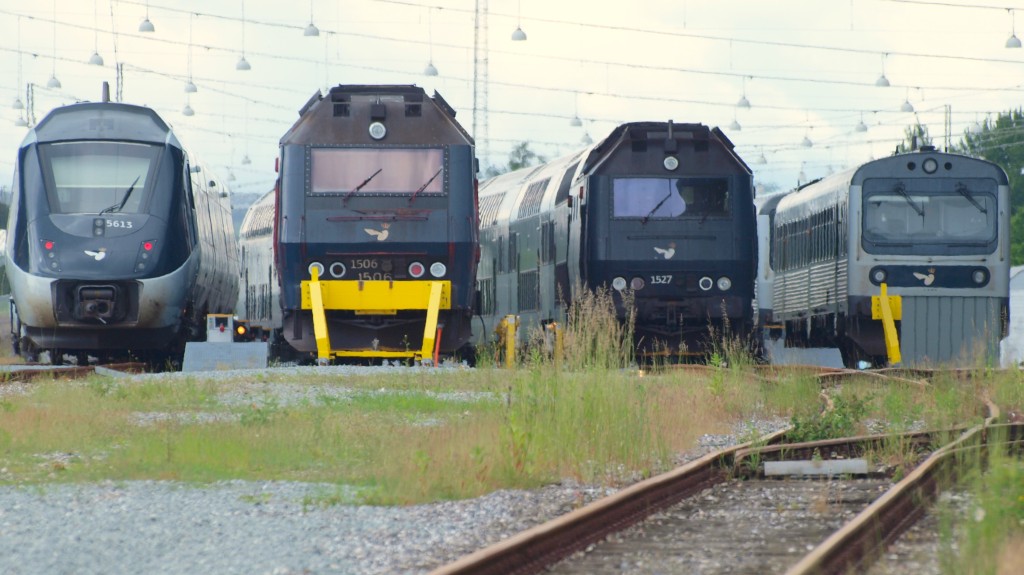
x,y
424,435
986,538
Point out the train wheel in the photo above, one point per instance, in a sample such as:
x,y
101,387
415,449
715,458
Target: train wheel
x,y
852,354
467,353
30,353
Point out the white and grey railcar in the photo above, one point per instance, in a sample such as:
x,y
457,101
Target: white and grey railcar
x,y
932,226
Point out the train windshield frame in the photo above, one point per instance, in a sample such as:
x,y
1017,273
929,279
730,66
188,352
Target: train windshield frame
x,y
98,176
644,198
930,216
360,171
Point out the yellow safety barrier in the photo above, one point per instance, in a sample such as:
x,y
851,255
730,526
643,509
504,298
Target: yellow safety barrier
x,y
558,347
511,323
888,309
378,298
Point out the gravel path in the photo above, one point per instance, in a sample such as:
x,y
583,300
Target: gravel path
x,y
247,528
262,527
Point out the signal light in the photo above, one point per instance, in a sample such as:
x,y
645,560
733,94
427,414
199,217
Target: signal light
x,y
148,246
416,269
48,244
242,331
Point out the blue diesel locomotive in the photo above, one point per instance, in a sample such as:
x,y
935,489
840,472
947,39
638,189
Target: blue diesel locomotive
x,y
662,210
372,229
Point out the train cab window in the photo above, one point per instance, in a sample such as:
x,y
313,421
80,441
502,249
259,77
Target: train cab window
x,y
377,171
98,177
957,214
666,198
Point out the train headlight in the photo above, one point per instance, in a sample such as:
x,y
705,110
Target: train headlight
x,y
319,267
377,130
619,283
724,283
878,276
416,269
438,269
929,165
337,270
636,284
670,163
705,283
980,276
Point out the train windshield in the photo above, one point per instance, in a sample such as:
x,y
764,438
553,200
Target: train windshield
x,y
937,213
377,171
98,177
667,198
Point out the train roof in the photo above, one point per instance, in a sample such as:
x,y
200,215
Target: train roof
x,y
636,133
767,204
899,165
346,112
102,121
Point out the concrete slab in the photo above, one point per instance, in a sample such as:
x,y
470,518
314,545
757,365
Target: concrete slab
x,y
218,356
817,467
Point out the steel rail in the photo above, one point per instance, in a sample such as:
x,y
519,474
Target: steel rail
x,y
534,549
862,540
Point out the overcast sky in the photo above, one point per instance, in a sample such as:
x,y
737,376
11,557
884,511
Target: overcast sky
x,y
807,67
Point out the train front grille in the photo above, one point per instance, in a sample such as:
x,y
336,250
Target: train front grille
x,y
961,331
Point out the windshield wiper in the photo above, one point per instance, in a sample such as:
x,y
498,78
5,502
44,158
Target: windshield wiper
x,y
362,185
902,190
661,203
117,207
424,186
963,191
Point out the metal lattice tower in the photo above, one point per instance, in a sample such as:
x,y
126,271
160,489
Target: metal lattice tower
x,y
480,82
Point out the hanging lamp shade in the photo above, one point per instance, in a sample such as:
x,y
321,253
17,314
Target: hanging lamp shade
x,y
575,122
243,64
146,26
735,125
907,106
761,159
430,70
1013,41
96,59
190,87
53,82
187,111
20,122
518,35
743,102
806,142
861,126
311,30
586,139
245,160
17,105
882,81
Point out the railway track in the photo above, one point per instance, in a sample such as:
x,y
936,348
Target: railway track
x,y
722,515
29,372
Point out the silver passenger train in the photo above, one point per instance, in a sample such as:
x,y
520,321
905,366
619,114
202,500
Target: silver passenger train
x,y
932,226
119,243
